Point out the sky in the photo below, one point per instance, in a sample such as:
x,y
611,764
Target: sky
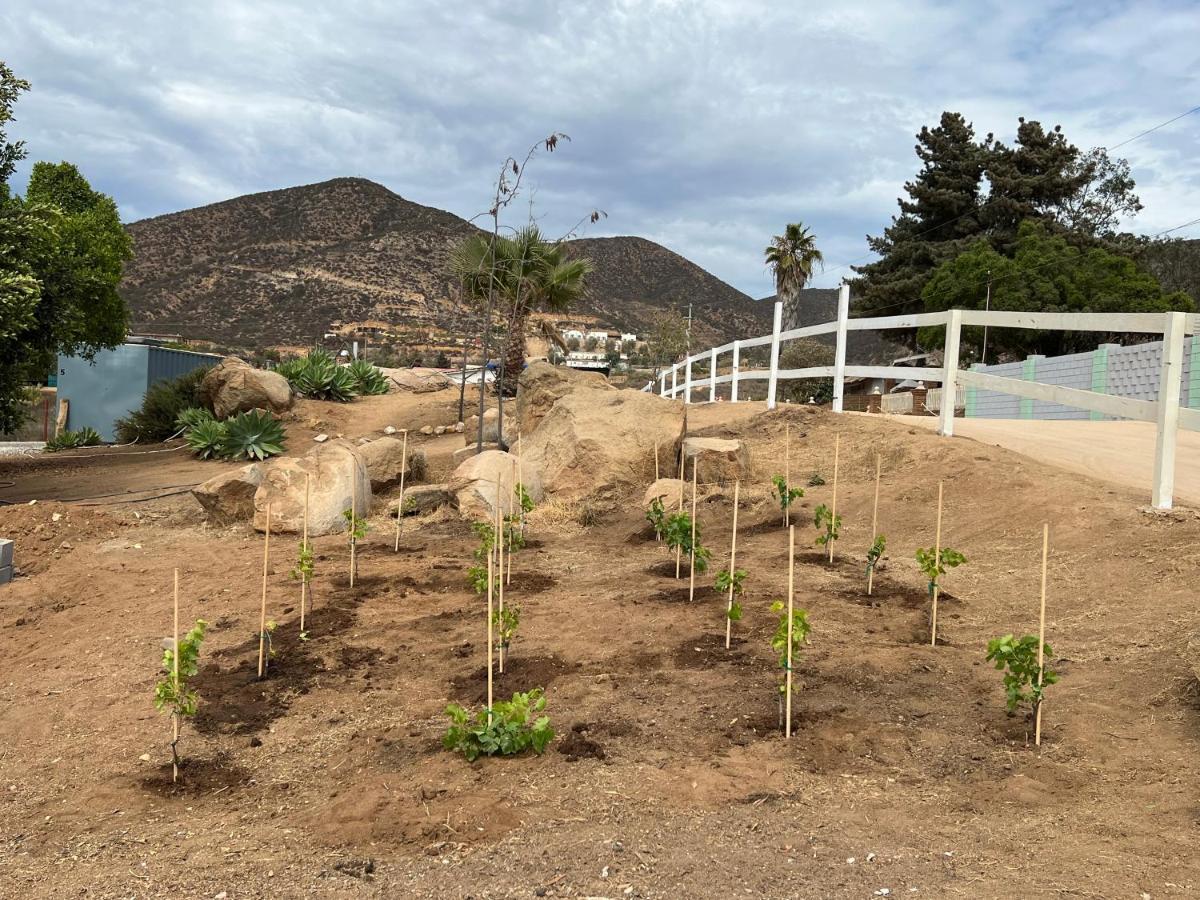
x,y
705,126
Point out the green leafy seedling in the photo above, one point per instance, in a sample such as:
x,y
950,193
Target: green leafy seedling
x,y
779,642
786,495
523,498
304,564
736,581
815,480
511,727
506,623
827,524
1019,656
177,698
876,551
678,534
656,515
935,567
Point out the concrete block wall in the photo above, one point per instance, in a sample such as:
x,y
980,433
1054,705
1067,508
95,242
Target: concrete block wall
x,y
1109,369
6,561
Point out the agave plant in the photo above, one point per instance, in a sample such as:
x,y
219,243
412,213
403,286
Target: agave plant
x,y
368,380
318,376
191,417
253,435
207,438
68,440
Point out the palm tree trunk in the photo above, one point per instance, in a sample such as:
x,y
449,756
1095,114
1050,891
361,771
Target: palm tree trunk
x,y
514,358
791,308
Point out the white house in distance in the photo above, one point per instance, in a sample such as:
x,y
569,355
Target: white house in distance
x,y
569,333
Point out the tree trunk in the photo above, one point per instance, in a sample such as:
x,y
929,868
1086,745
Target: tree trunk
x,y
514,358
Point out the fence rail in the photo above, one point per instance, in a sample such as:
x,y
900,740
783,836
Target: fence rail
x,y
1165,411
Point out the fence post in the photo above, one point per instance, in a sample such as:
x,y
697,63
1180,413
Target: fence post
x,y
1169,378
712,375
773,378
950,373
662,384
674,379
839,355
687,380
733,375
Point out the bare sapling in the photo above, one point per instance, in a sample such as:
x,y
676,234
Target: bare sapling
x,y
400,501
833,516
262,614
878,541
179,663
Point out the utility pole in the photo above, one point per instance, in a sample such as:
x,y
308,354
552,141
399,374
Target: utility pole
x,y
987,306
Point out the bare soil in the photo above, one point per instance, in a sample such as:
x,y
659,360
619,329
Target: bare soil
x,y
669,776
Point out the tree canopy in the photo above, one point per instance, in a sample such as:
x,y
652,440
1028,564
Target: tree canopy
x,y
62,249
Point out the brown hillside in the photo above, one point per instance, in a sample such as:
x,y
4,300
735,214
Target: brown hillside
x,y
280,266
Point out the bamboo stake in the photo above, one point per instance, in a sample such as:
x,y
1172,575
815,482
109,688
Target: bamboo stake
x,y
175,681
353,520
874,527
787,471
837,443
521,477
400,502
732,563
262,614
937,561
490,638
304,575
1037,733
682,470
787,728
500,563
656,460
512,509
692,586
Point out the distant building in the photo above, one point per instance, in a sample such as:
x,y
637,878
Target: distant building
x,y
626,338
570,333
600,336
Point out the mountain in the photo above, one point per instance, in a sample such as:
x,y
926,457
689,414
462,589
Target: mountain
x,y
819,305
279,267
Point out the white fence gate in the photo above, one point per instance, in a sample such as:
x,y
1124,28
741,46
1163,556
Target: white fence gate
x,y
1165,411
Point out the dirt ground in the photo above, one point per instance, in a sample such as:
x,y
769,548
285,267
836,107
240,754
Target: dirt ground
x,y
669,777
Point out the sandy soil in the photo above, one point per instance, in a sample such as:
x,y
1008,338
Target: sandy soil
x,y
669,777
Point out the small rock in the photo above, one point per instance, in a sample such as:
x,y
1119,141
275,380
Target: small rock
x,y
321,438
604,872
460,427
145,757
441,429
426,429
57,516
389,430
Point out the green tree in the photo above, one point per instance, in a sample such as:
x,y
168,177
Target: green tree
x,y
62,249
668,339
1047,273
792,257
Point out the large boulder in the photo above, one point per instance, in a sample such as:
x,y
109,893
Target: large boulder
x,y
540,385
601,440
665,489
491,427
422,498
385,459
720,460
474,484
464,453
329,469
416,381
234,386
229,497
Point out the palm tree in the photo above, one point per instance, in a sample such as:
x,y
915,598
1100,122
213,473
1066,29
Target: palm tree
x,y
792,256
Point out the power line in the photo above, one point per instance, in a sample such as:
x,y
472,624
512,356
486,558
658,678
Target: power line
x,y
1142,134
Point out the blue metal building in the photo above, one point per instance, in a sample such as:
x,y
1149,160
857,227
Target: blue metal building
x,y
113,384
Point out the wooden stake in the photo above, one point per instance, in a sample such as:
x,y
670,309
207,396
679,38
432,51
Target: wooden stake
x,y
837,443
400,502
656,460
262,613
787,728
874,527
692,586
304,575
682,470
500,562
521,476
490,637
937,561
512,506
787,471
1037,733
175,681
732,563
353,519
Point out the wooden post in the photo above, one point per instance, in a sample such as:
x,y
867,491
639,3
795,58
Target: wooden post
x,y
400,502
490,636
175,681
353,519
500,562
656,459
732,563
692,586
682,470
512,494
1037,733
837,445
787,472
874,526
787,728
937,562
773,375
262,613
304,546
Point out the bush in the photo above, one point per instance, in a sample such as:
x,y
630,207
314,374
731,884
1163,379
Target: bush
x,y
319,377
156,419
510,729
68,440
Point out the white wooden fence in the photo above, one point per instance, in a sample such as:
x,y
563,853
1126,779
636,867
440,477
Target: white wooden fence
x,y
1165,411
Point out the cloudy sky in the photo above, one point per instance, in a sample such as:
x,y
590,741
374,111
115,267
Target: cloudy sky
x,y
702,125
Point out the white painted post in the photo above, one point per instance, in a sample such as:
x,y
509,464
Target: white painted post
x,y
733,377
773,378
662,384
674,380
687,380
712,375
839,355
1169,378
950,373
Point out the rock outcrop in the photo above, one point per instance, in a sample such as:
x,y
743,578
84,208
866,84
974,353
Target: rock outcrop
x,y
720,460
234,386
542,384
229,497
329,468
665,489
474,484
385,458
416,381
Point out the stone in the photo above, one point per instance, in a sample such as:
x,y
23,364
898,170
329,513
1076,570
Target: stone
x,y
602,440
391,429
491,427
468,451
427,429
540,385
460,427
6,552
439,430
229,497
330,467
6,574
423,498
474,484
384,458
666,490
321,438
415,380
720,460
234,386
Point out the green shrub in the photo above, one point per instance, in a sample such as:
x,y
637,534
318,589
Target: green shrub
x,y
156,418
319,377
368,380
678,534
253,435
68,440
1019,656
207,439
510,729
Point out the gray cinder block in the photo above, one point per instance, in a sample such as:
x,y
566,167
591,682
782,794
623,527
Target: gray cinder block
x,y
6,553
6,574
